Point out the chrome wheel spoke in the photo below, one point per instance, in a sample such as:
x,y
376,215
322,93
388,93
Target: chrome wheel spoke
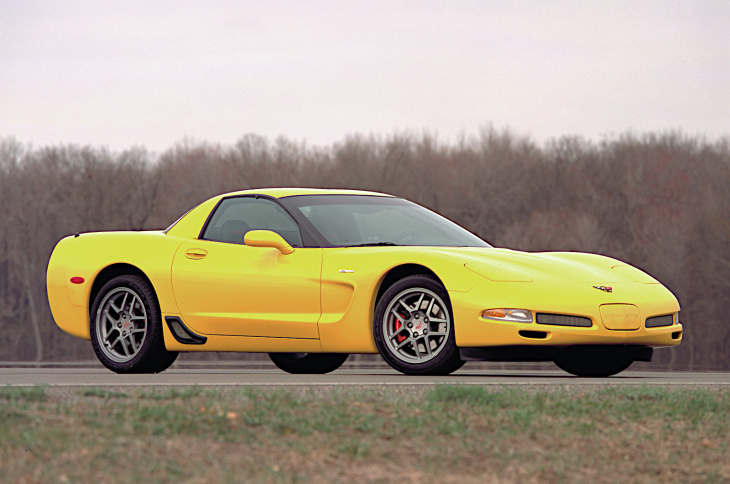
x,y
132,306
110,319
417,306
400,332
402,344
121,337
132,342
424,329
430,306
124,346
427,344
112,345
398,316
405,305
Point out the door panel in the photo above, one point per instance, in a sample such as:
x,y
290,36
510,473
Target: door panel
x,y
232,289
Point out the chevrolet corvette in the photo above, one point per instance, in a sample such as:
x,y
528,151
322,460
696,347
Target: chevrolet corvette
x,y
310,276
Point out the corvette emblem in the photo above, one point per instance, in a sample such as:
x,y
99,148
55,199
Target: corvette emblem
x,y
604,288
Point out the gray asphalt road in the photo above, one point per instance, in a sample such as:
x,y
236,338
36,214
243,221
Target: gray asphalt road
x,y
221,376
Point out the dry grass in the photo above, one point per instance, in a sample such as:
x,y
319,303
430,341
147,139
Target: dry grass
x,y
451,434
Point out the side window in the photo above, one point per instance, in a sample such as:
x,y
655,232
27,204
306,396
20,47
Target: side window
x,y
236,216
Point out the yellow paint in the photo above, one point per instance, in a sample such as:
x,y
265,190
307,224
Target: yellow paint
x,y
267,238
620,317
248,291
266,296
244,343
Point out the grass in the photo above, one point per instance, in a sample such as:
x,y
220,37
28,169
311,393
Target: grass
x,y
449,433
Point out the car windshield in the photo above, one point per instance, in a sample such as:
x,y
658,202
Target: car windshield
x,y
364,220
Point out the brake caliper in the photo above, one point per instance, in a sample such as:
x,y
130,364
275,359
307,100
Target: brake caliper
x,y
398,325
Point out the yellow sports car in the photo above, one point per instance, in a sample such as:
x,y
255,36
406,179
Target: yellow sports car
x,y
310,276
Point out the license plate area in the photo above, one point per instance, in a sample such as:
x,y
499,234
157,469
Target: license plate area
x,y
620,317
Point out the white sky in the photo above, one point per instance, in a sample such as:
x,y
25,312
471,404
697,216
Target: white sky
x,y
124,73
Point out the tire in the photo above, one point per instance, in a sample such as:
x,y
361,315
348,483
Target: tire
x,y
413,327
308,363
126,327
594,362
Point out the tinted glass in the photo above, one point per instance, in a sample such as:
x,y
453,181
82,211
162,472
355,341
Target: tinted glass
x,y
235,216
348,220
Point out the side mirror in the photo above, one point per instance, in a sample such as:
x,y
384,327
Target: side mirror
x,y
267,238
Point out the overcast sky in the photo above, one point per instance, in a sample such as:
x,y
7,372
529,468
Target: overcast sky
x,y
124,73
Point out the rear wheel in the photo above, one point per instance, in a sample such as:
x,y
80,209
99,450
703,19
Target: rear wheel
x,y
308,363
596,361
126,329
413,327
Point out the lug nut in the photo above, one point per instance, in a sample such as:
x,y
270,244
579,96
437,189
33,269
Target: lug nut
x,y
409,325
415,334
425,331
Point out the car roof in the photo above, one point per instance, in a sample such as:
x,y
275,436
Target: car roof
x,y
189,224
291,192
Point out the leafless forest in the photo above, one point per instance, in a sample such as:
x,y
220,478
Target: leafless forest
x,y
658,201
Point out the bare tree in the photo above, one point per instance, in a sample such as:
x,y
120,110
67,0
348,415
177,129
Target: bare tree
x,y
658,201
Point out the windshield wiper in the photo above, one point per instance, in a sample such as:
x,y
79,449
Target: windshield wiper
x,y
373,244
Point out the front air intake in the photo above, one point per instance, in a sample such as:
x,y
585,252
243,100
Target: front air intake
x,y
533,334
563,320
659,321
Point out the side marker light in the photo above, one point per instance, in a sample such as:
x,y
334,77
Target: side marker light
x,y
504,314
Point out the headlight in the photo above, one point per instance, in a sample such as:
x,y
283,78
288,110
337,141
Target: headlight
x,y
513,315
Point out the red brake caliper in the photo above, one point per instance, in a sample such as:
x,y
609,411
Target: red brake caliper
x,y
400,338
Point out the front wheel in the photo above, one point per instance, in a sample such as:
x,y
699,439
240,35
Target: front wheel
x,y
596,361
308,363
413,327
126,328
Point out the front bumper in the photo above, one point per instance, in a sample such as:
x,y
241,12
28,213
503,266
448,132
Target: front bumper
x,y
547,353
575,299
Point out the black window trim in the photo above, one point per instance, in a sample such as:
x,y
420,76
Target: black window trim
x,y
308,241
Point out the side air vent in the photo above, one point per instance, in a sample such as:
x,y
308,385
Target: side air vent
x,y
659,321
181,332
563,320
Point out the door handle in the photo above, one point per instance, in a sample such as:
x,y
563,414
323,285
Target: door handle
x,y
196,254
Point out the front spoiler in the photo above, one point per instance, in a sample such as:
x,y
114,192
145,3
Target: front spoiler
x,y
549,353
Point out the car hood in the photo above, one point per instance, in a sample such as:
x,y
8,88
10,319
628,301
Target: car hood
x,y
515,266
